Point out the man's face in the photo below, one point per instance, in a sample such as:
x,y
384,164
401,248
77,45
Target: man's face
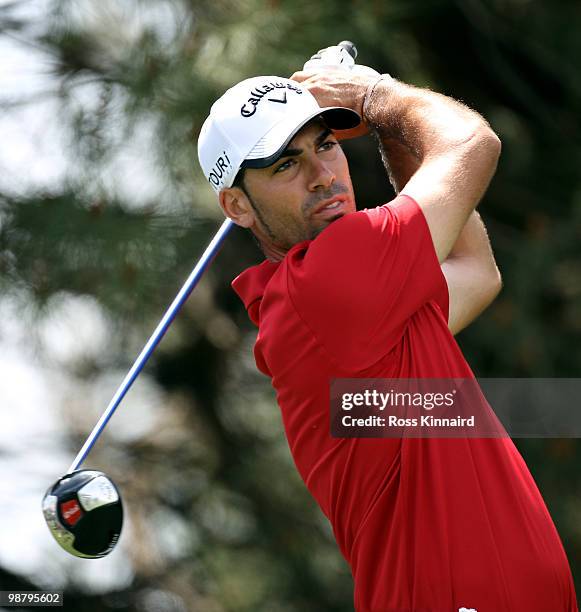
x,y
307,188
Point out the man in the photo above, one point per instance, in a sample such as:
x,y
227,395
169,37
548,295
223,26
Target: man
x,y
425,524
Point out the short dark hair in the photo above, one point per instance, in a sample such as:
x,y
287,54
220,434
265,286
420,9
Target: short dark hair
x,y
239,179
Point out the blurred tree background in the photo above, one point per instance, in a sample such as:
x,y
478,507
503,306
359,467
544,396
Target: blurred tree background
x,y
111,225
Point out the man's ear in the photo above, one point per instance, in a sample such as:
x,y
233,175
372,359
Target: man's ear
x,y
236,206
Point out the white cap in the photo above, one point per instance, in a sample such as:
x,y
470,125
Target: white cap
x,y
253,122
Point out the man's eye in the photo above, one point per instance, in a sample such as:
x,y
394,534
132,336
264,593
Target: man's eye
x,y
327,146
285,165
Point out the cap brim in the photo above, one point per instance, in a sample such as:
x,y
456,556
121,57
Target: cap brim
x,y
336,118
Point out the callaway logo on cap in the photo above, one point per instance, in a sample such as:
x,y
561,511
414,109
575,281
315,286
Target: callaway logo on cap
x,y
253,122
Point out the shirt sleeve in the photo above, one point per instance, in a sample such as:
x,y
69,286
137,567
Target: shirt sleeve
x,y
362,279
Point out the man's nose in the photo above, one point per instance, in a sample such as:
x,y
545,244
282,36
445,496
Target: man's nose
x,y
321,175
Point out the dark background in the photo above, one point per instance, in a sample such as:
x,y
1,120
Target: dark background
x,y
251,537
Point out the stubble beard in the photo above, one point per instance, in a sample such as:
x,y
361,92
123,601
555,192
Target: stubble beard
x,y
310,233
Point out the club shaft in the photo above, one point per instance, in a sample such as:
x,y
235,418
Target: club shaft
x,y
157,335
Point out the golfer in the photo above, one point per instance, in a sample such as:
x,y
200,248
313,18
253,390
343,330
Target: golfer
x,y
438,525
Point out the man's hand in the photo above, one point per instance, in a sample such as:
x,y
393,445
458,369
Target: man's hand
x,y
338,88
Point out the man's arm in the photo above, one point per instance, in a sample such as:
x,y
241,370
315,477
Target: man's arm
x,y
471,274
456,149
470,269
442,154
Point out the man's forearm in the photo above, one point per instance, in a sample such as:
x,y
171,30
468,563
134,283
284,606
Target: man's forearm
x,y
471,274
424,122
470,268
455,148
400,163
442,152
473,242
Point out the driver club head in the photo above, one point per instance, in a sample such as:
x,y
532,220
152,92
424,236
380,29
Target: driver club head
x,y
84,513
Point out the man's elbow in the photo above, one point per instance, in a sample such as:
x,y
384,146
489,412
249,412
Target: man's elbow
x,y
480,158
486,144
493,143
493,283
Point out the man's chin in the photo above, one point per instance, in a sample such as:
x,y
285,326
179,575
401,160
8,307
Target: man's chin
x,y
326,223
337,216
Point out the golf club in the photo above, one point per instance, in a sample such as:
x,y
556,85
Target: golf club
x,y
83,509
157,335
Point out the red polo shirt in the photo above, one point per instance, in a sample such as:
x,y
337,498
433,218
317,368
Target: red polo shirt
x,y
425,524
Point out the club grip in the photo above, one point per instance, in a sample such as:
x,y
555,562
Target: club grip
x,y
349,47
337,56
341,56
